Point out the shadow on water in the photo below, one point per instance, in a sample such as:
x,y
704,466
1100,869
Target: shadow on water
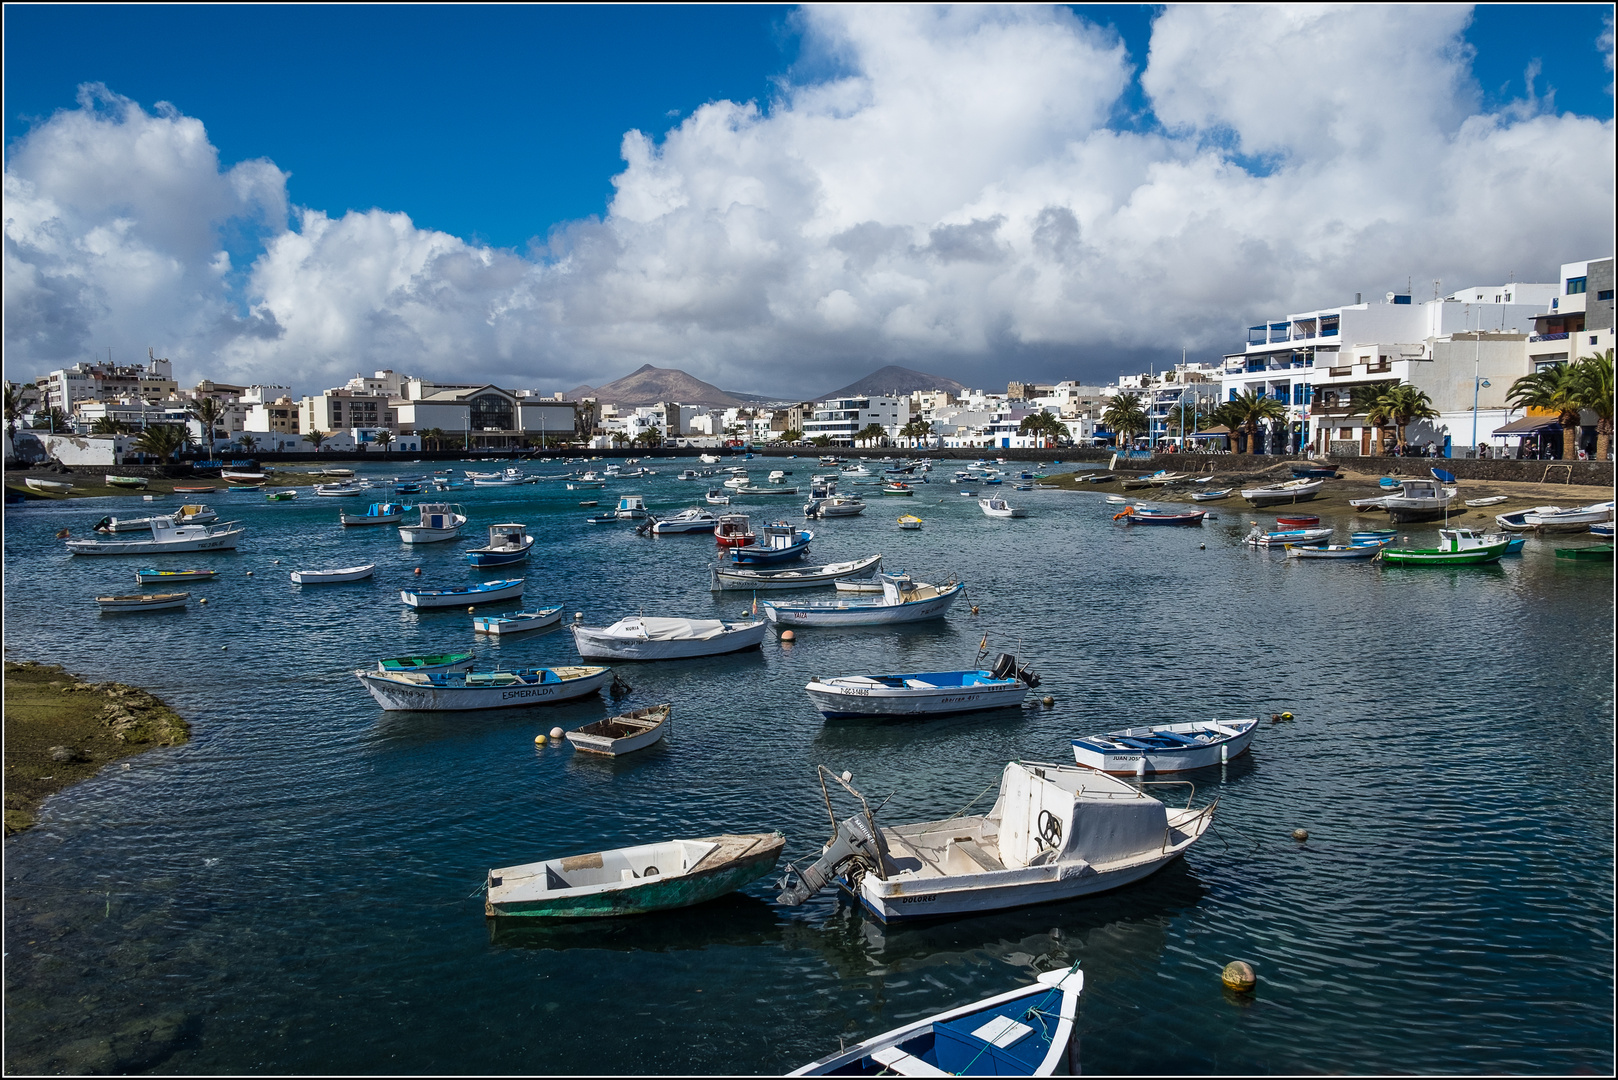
x,y
409,729
734,920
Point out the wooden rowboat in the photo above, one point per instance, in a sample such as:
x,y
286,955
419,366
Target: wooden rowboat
x,y
458,661
48,487
331,577
163,577
632,880
137,482
145,602
623,734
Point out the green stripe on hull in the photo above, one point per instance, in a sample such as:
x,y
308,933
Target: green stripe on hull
x,y
657,895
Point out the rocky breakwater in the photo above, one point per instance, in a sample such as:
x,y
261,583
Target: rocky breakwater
x,y
60,729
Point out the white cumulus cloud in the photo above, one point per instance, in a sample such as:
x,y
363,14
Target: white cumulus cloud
x,y
957,198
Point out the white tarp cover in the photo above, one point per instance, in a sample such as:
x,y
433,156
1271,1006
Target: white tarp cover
x,y
666,629
1104,821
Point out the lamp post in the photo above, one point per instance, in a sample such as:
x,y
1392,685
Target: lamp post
x,y
1477,379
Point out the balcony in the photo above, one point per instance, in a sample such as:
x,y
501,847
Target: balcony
x,y
1549,337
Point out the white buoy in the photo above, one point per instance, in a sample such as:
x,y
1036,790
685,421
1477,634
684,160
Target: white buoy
x,y
848,777
557,733
1140,766
578,616
1224,753
202,600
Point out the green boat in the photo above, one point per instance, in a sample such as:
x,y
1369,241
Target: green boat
x,y
282,495
457,661
1592,551
1463,547
632,880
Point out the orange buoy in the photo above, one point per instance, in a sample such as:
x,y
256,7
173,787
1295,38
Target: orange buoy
x,y
786,635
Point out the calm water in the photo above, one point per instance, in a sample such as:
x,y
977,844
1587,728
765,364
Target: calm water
x,y
296,889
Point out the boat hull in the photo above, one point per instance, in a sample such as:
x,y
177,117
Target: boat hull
x,y
416,534
113,605
332,577
594,645
520,623
1095,754
497,558
859,613
435,598
724,578
1405,513
397,696
837,702
1472,557
225,541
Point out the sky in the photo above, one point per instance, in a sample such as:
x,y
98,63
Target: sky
x,y
778,200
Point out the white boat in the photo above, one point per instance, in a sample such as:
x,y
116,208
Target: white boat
x,y
999,508
689,474
623,734
242,478
49,487
330,577
454,596
1211,496
630,507
755,489
909,522
1576,520
518,622
739,481
640,638
708,459
929,693
1290,491
1023,1032
146,602
138,483
778,476
1282,537
1517,520
344,490
901,601
446,691
439,521
695,519
799,577
191,514
508,543
1056,832
341,474
1417,500
376,514
166,536
1492,500
1358,549
717,498
1165,748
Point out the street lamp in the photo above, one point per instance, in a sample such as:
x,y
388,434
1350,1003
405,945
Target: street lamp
x,y
1477,379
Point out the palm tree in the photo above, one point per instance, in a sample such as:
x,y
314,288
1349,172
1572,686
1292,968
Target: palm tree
x,y
619,438
1406,404
1596,394
210,413
315,437
107,425
584,419
649,438
248,442
792,435
1248,410
162,441
1371,399
1554,390
432,437
916,429
52,418
1043,425
13,407
870,433
384,439
1125,416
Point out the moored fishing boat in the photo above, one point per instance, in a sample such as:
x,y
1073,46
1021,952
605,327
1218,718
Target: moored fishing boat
x,y
519,622
733,530
135,482
1056,832
1212,496
1594,552
1146,515
1359,549
902,601
632,880
909,522
639,637
797,577
376,514
1514,544
1462,547
624,733
999,508
1023,1032
691,520
1281,537
242,478
191,514
1297,521
1420,500
1164,748
1577,519
486,592
456,661
1289,491
454,691
716,497
438,522
631,507
166,536
508,543
1003,684
333,577
775,543
281,495
835,506
347,489
163,577
142,602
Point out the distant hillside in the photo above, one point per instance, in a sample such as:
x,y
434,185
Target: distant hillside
x,y
649,385
894,381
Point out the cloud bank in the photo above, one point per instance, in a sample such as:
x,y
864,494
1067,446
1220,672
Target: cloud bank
x,y
962,197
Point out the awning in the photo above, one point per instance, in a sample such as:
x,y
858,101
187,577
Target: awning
x,y
1211,433
1530,425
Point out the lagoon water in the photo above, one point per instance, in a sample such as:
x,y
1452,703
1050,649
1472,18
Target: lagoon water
x,y
297,889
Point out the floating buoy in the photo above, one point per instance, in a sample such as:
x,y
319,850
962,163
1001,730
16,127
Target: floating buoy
x,y
278,563
1202,547
1300,835
1286,716
786,635
202,600
557,733
974,609
250,573
416,571
222,648
470,609
540,739
1048,701
578,616
1239,976
63,534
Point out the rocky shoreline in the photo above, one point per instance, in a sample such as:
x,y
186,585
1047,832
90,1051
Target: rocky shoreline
x,y
60,730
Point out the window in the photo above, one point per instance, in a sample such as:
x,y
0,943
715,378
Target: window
x,y
1604,294
491,411
1575,285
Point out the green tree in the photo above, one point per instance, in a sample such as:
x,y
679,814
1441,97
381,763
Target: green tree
x,y
585,414
821,441
649,438
108,425
1372,400
916,430
1596,394
1406,404
1043,425
1554,390
1248,410
384,439
247,442
1125,416
619,438
432,438
315,437
209,413
870,433
792,435
162,441
52,419
13,407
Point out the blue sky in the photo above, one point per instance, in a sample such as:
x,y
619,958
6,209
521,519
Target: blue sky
x,y
499,125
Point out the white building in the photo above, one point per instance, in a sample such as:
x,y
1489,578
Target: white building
x,y
1578,321
484,416
841,419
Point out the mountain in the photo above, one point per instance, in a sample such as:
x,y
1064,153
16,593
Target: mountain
x,y
896,381
649,385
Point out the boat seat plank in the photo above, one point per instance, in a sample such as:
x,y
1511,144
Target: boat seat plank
x,y
1173,736
1135,743
905,1064
976,852
725,849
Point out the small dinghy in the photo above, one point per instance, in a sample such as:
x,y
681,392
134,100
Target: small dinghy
x,y
1298,521
1290,491
695,519
632,880
909,521
1024,1032
50,487
1492,500
332,577
902,601
455,691
281,495
798,577
458,661
1593,552
508,543
344,490
1145,515
1575,520
1358,549
1517,520
518,622
1212,496
163,577
1165,748
1281,537
716,497
136,482
999,508
376,514
623,734
641,638
1003,684
1602,528
142,602
486,592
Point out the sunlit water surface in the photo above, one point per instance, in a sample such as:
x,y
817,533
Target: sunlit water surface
x,y
296,890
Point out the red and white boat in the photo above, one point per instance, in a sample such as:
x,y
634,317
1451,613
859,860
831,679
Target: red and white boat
x,y
733,531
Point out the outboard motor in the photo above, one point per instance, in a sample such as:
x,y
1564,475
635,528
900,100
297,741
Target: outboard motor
x,y
1005,667
856,841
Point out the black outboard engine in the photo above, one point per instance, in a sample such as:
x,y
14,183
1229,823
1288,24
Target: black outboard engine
x,y
856,841
1005,667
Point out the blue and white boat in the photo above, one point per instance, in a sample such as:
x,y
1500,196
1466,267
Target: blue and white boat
x,y
1163,748
902,601
508,543
1024,1032
377,514
1602,529
1281,537
453,691
518,622
776,543
484,593
1002,685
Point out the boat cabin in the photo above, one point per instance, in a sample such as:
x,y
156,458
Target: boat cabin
x,y
734,530
631,506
